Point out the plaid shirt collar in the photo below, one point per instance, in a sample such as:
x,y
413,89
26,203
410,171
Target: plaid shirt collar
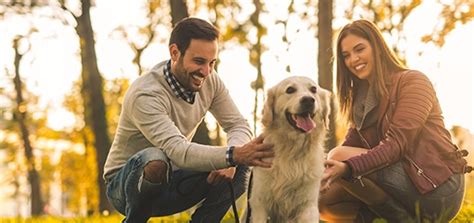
x,y
177,88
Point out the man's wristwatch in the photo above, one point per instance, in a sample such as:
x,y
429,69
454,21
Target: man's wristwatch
x,y
229,156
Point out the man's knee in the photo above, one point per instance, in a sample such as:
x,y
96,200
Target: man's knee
x,y
155,171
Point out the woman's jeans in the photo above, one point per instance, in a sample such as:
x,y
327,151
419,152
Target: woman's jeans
x,y
443,203
138,199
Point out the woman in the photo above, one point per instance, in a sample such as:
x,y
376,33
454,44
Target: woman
x,y
397,161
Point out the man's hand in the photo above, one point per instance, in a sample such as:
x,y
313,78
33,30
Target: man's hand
x,y
219,176
254,153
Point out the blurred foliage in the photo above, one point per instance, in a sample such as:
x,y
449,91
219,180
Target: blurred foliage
x,y
453,13
140,37
78,168
46,171
114,92
388,16
78,181
247,33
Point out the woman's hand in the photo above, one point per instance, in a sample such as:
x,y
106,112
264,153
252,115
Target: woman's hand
x,y
334,170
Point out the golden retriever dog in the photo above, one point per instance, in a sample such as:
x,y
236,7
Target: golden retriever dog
x,y
295,120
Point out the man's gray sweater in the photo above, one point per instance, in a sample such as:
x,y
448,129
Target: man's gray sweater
x,y
153,116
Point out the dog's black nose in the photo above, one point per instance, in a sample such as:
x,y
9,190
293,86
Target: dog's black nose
x,y
307,101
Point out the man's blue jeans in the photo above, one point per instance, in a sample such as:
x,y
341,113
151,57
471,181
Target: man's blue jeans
x,y
138,199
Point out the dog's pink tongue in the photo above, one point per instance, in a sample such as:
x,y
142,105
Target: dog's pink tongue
x,y
305,122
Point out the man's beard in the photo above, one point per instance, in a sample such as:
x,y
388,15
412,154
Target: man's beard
x,y
185,78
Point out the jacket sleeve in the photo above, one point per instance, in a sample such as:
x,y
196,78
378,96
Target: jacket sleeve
x,y
411,108
352,138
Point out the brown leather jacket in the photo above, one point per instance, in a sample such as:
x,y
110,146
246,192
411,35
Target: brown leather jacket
x,y
410,128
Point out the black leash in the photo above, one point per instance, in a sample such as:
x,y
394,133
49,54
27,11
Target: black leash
x,y
234,205
231,187
249,209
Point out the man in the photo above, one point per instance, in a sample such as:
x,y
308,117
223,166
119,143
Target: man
x,y
152,168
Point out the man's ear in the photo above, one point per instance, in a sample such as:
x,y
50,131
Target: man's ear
x,y
174,52
267,113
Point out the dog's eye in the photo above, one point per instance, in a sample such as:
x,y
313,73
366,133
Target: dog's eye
x,y
290,90
313,89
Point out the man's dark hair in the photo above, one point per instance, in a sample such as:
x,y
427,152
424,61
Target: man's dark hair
x,y
192,28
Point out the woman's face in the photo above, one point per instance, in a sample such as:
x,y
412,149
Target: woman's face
x,y
358,56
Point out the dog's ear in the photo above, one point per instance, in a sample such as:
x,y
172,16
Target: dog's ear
x,y
267,113
326,97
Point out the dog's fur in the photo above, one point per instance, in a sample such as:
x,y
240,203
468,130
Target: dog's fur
x,y
289,190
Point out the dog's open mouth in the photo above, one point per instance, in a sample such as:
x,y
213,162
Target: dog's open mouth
x,y
302,121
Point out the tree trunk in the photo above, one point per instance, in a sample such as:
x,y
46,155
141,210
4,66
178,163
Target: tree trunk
x,y
179,11
325,64
257,60
94,105
20,114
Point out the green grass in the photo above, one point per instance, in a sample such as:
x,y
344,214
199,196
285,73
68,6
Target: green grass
x,y
178,218
466,215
